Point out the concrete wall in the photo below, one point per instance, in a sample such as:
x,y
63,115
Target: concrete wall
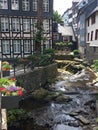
x,y
38,77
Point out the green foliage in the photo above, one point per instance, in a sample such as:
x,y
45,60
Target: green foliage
x,y
69,43
4,81
17,116
49,51
76,52
96,65
57,17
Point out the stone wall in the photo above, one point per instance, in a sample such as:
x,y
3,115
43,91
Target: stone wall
x,y
38,77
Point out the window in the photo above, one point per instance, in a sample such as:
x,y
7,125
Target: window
x,y
96,34
46,25
15,25
91,35
16,44
46,5
25,5
15,4
27,46
3,4
88,37
35,3
4,25
6,46
55,37
93,18
26,25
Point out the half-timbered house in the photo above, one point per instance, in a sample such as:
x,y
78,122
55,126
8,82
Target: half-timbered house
x,y
18,19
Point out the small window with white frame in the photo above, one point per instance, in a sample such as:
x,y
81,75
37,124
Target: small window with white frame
x,y
16,46
3,4
4,25
5,46
27,47
46,5
25,5
35,4
46,25
15,25
26,25
15,4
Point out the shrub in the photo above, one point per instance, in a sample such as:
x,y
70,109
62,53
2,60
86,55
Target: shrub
x,y
76,52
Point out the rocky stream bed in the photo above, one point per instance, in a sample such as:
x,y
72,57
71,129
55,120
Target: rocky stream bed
x,y
69,103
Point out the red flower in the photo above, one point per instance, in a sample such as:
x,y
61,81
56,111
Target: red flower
x,y
2,89
20,93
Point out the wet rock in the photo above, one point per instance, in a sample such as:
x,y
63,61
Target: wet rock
x,y
73,113
40,94
82,119
74,124
63,99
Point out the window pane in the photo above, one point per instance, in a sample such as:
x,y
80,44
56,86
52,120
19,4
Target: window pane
x,y
35,2
15,25
4,25
14,4
6,46
25,5
16,46
3,4
27,46
26,25
34,24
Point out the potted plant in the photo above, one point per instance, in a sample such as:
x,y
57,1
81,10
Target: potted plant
x,y
11,94
6,68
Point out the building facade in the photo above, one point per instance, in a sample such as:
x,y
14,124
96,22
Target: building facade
x,y
83,13
18,20
92,35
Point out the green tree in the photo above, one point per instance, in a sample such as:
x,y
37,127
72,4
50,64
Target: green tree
x,y
57,17
39,35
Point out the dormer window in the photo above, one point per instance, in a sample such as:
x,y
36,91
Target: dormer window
x,y
15,4
3,4
45,5
25,5
35,3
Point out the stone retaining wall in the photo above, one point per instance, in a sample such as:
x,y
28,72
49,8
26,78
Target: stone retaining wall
x,y
38,77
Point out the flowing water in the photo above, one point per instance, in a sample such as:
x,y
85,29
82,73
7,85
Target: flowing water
x,y
56,116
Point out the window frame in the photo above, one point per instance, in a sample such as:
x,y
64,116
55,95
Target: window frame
x,y
16,47
4,24
16,23
4,4
13,3
27,46
5,47
26,4
26,25
46,5
34,5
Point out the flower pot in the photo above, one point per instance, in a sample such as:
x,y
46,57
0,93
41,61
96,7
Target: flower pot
x,y
10,102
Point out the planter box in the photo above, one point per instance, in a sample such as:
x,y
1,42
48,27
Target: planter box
x,y
6,73
9,102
